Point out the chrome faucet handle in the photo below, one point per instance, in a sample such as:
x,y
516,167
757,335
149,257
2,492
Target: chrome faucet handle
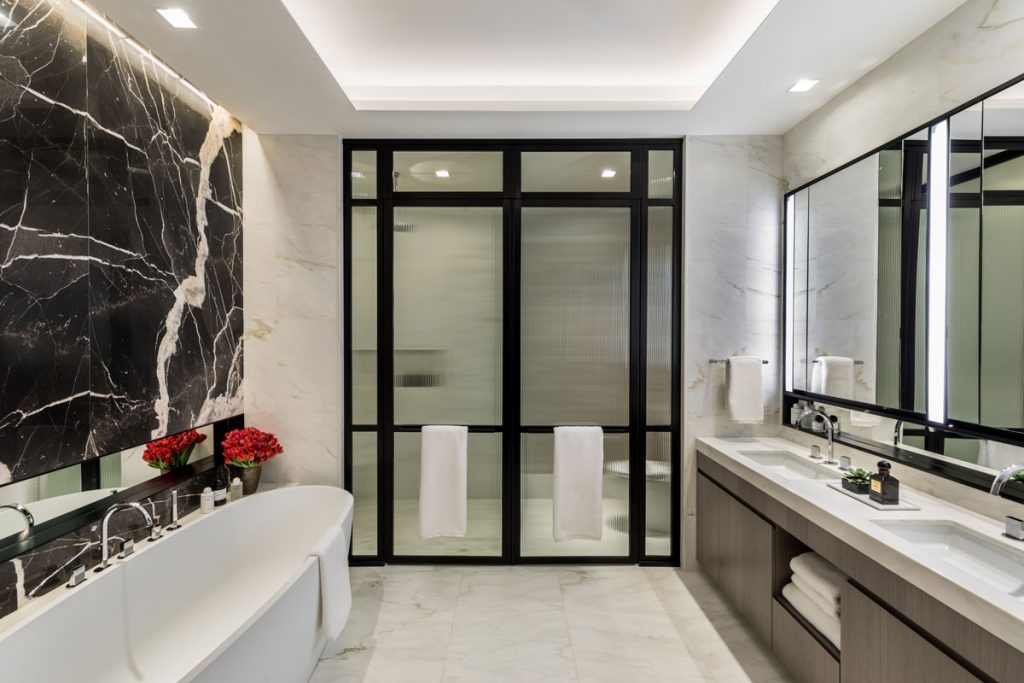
x,y
816,451
127,548
77,576
1013,528
174,525
156,533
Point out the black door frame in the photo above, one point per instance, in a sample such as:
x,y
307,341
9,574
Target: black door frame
x,y
512,200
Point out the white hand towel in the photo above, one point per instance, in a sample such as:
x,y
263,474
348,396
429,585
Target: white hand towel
x,y
335,588
746,389
827,605
828,625
578,492
834,376
443,481
821,575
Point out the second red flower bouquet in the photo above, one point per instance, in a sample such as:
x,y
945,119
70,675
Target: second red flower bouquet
x,y
249,447
174,451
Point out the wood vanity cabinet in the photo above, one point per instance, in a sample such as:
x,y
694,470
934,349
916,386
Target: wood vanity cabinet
x,y
888,649
734,547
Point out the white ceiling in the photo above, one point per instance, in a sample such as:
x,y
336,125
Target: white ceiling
x,y
255,59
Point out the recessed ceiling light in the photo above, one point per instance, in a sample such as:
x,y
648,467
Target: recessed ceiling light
x,y
607,173
803,85
441,173
178,18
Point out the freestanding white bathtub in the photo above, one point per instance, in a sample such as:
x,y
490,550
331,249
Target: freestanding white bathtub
x,y
231,596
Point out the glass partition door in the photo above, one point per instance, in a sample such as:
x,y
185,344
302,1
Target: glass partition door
x,y
513,288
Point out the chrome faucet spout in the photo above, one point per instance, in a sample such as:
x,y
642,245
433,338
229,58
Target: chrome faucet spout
x,y
18,507
1003,477
830,431
105,531
897,433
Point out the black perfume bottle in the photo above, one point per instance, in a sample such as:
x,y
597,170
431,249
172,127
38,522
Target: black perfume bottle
x,y
885,488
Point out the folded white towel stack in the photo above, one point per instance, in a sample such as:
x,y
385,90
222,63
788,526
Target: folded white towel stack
x,y
827,606
443,481
746,389
578,495
819,575
827,624
335,587
833,376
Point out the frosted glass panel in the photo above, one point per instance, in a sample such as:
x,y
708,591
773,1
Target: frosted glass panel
x,y
448,308
364,490
448,172
1002,316
537,471
659,315
890,232
964,254
364,174
575,316
660,173
658,512
483,505
364,315
576,171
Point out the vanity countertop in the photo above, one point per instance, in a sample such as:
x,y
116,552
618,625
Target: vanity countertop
x,y
988,601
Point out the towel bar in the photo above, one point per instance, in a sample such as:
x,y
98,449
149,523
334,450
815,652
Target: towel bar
x,y
725,361
856,362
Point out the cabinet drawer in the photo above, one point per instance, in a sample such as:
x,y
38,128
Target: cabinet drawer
x,y
891,651
805,658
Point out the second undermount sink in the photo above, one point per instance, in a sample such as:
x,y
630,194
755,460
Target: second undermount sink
x,y
789,465
965,551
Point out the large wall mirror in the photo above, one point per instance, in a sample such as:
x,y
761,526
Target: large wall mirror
x,y
909,327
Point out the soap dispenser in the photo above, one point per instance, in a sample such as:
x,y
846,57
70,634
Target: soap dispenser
x,y
885,488
235,490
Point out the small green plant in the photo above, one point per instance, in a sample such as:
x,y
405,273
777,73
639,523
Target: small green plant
x,y
857,476
1019,477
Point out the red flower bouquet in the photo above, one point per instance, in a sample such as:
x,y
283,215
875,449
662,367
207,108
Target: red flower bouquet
x,y
249,447
172,452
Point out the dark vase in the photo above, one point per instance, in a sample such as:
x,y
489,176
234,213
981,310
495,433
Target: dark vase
x,y
250,477
861,489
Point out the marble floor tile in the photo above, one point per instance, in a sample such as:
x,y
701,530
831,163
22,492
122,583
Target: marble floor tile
x,y
514,588
608,588
403,628
381,666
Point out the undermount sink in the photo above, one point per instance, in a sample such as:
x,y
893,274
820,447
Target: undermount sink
x,y
789,465
965,552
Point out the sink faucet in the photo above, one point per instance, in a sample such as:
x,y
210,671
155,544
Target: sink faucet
x,y
897,433
830,430
154,530
1004,476
23,510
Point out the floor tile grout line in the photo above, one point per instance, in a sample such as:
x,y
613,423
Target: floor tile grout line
x,y
451,629
568,630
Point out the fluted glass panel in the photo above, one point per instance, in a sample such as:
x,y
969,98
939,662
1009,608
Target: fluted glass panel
x,y
658,513
364,174
964,280
660,173
364,315
660,236
448,310
890,231
1002,316
576,171
537,472
575,316
364,490
448,172
483,503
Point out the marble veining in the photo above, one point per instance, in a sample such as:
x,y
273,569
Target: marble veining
x,y
120,245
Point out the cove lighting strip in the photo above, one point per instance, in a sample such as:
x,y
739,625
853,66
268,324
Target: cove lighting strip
x,y
143,52
938,185
790,287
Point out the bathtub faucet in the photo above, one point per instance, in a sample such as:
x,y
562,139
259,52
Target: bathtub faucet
x,y
23,510
154,531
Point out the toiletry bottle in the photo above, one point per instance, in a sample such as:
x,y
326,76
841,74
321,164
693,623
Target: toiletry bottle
x,y
220,485
235,492
206,500
795,413
885,488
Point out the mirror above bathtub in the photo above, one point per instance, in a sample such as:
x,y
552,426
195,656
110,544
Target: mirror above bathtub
x,y
858,256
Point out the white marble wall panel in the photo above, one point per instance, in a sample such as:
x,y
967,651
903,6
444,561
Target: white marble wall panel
x,y
733,226
971,51
293,283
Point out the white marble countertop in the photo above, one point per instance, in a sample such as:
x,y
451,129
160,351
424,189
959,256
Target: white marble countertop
x,y
853,522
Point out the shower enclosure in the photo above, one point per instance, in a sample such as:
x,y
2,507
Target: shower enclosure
x,y
513,287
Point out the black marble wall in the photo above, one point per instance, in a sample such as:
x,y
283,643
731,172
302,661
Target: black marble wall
x,y
120,245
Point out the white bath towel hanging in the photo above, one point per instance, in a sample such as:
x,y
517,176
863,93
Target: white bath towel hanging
x,y
833,376
335,587
746,389
578,495
443,481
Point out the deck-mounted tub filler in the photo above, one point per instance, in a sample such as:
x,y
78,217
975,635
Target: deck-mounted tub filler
x,y
231,596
